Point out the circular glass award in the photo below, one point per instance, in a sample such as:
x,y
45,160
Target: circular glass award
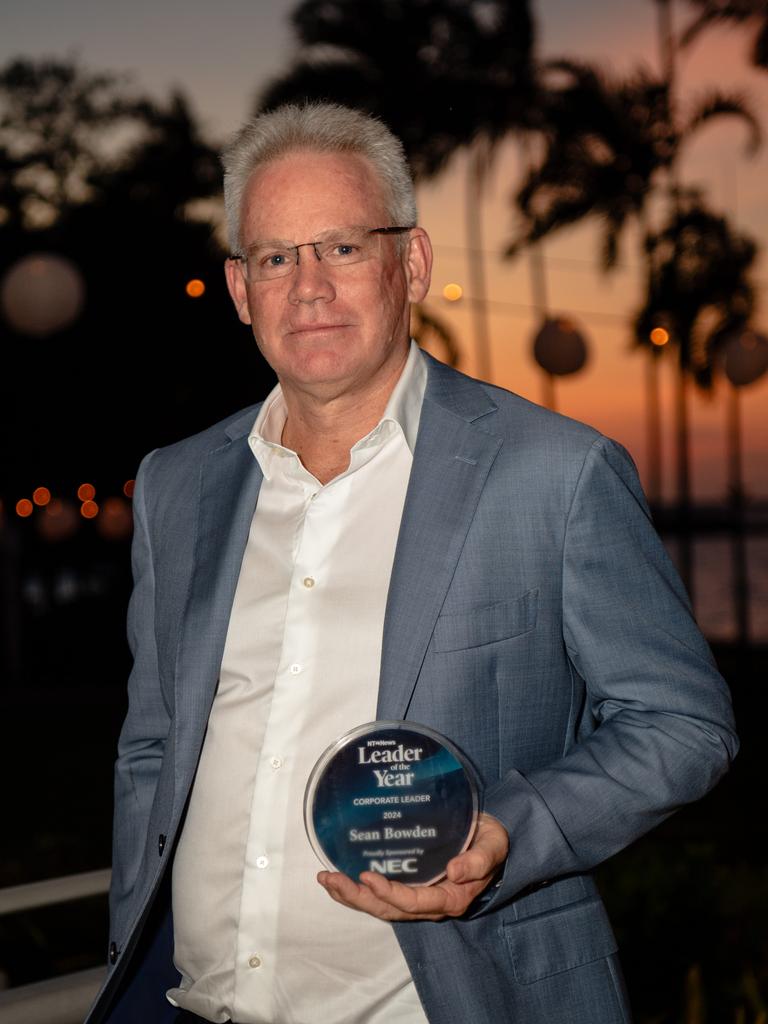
x,y
392,797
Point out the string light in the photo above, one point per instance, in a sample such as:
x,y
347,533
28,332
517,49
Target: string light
x,y
195,288
659,336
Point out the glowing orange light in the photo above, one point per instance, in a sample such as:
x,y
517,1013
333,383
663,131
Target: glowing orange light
x,y
116,520
24,508
86,492
89,509
453,292
41,496
195,288
128,487
659,336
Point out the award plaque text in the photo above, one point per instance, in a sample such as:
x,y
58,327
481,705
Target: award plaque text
x,y
392,797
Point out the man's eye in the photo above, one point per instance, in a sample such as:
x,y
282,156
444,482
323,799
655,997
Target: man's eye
x,y
274,259
342,251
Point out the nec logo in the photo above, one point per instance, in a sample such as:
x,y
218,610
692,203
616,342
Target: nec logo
x,y
394,866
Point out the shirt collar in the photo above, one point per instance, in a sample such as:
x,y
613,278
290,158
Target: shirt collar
x,y
403,409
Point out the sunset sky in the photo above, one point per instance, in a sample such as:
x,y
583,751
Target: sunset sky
x,y
220,54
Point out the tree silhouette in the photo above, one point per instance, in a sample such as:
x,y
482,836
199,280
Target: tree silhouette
x,y
739,12
698,285
609,145
144,364
56,122
445,75
612,147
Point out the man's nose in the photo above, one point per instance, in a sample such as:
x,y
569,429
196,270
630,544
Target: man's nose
x,y
310,280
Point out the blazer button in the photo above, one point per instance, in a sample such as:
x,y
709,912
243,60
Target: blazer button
x,y
113,952
160,844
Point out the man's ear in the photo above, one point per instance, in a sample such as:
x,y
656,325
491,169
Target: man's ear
x,y
237,289
418,264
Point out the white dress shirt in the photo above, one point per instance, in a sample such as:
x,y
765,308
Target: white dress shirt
x,y
257,939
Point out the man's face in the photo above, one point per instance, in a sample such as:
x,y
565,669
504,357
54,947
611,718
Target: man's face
x,y
328,331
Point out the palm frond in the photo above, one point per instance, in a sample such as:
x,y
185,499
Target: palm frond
x,y
718,104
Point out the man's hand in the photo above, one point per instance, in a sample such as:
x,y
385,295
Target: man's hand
x,y
466,877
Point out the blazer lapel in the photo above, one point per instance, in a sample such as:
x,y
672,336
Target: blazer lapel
x,y
451,463
230,479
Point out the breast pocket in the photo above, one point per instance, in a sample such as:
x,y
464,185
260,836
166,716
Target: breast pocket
x,y
559,941
487,624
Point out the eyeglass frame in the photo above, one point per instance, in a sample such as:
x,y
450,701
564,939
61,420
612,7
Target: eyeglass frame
x,y
242,256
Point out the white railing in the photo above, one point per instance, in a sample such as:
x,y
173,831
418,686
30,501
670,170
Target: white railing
x,y
62,1000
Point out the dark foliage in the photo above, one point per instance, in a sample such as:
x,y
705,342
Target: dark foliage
x,y
440,73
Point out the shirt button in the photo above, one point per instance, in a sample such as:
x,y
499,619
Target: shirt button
x,y
276,762
308,582
262,862
295,669
254,961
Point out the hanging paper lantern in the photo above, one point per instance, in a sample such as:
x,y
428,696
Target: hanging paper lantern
x,y
559,347
42,294
745,357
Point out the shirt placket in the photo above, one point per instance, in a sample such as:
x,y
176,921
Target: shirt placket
x,y
264,859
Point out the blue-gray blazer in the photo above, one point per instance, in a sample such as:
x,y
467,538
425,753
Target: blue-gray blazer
x,y
533,616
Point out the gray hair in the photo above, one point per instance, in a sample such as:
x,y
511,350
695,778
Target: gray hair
x,y
322,128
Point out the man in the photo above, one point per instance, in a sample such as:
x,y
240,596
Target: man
x,y
385,538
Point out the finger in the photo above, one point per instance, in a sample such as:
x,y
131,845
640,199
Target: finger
x,y
425,902
361,897
488,851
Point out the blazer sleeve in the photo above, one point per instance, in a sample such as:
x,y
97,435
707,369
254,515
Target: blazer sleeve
x,y
657,731
147,722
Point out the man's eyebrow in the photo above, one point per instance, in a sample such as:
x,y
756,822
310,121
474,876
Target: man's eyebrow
x,y
269,241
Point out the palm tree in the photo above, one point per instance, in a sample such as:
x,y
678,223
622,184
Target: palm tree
x,y
739,12
608,144
445,75
698,290
611,146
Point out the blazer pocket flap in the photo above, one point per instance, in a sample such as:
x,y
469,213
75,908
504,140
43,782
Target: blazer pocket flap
x,y
555,942
486,625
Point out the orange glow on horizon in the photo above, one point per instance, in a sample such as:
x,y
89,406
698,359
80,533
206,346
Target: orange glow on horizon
x,y
41,496
24,508
195,288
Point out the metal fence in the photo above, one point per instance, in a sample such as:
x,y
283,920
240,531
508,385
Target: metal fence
x,y
65,999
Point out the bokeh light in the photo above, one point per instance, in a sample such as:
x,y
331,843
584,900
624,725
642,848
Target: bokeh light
x,y
86,492
128,487
59,521
24,508
89,509
453,292
41,294
659,336
116,519
195,288
41,496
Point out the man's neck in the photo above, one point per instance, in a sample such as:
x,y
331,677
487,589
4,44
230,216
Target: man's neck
x,y
323,430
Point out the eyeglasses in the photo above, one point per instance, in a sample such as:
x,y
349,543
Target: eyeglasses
x,y
343,247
